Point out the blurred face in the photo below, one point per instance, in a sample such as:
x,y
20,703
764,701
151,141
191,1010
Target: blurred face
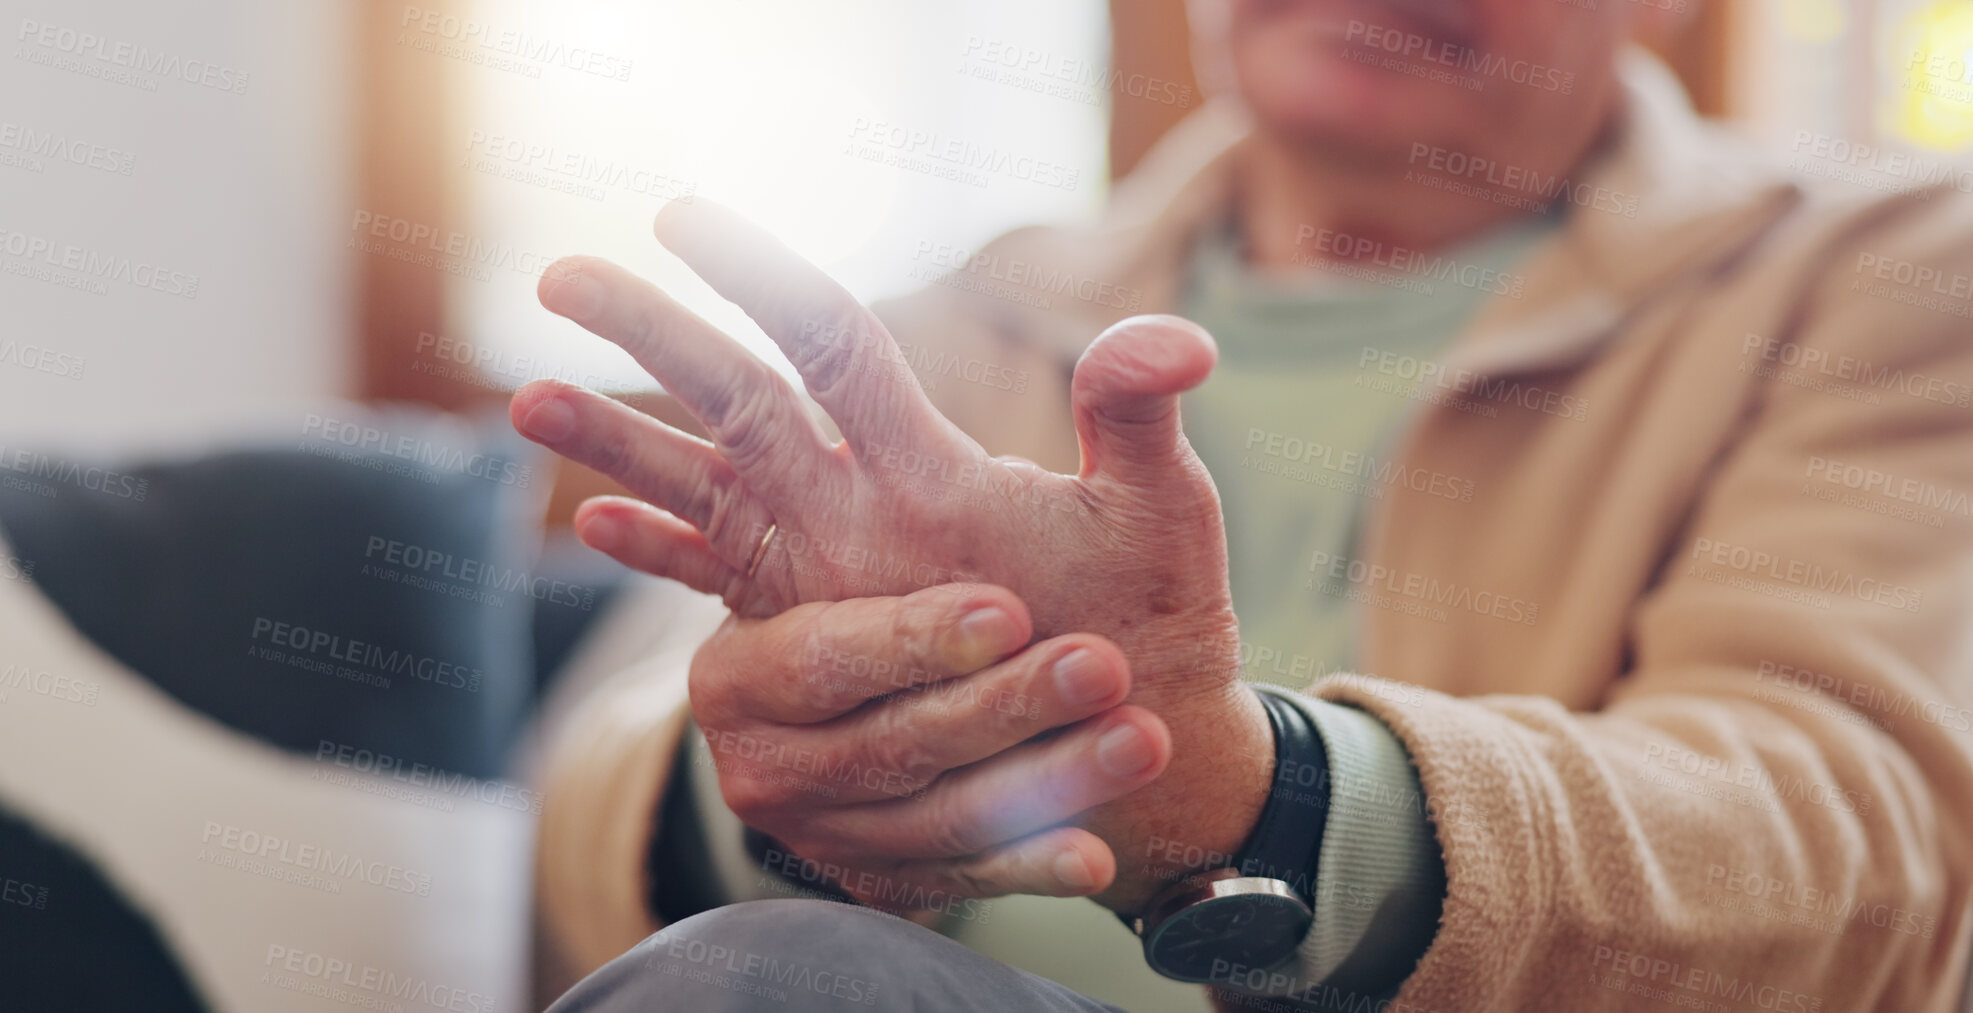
x,y
1369,79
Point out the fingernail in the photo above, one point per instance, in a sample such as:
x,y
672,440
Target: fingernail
x,y
551,420
1081,677
1073,871
1124,751
981,638
603,533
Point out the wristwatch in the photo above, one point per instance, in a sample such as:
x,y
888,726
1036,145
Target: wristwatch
x,y
1255,912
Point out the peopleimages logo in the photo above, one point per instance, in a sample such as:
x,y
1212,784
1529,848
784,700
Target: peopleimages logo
x,y
16,568
1023,274
923,150
1418,589
1837,907
42,469
411,563
1508,184
1383,473
794,868
437,457
1401,260
1463,59
336,866
131,57
1914,275
48,684
328,977
1756,777
1862,373
1683,985
32,145
1902,488
575,172
23,894
42,360
1090,82
98,266
482,42
1710,557
445,250
425,776
371,658
1483,388
1875,168
1867,699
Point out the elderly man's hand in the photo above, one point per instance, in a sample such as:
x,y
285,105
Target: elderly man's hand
x,y
869,732
771,515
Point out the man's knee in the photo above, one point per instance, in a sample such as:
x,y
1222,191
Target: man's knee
x,y
762,955
810,955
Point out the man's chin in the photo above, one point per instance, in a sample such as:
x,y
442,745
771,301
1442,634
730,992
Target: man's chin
x,y
1350,107
1358,134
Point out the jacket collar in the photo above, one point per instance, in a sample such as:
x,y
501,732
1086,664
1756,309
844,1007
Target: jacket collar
x,y
1699,196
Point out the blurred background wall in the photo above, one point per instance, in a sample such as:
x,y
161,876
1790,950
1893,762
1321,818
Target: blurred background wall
x,y
232,186
358,194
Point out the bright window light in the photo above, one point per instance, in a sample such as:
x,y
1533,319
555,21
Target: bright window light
x,y
1933,49
796,113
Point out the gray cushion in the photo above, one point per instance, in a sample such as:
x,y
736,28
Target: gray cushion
x,y
375,596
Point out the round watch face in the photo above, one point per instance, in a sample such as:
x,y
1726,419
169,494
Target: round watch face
x,y
1225,935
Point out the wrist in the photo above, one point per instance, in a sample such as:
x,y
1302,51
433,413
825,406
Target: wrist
x,y
1204,808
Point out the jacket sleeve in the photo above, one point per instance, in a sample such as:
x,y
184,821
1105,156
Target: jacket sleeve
x,y
603,768
1771,809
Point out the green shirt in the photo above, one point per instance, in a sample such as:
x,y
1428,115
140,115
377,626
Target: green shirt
x,y
1296,423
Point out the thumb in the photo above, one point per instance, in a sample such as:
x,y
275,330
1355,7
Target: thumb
x,y
1125,395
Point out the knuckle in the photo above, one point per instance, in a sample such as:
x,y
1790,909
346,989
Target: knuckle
x,y
947,831
822,838
614,454
736,592
746,430
916,625
725,526
752,798
804,664
1000,706
966,879
701,494
825,372
815,691
706,680
716,401
898,747
645,332
834,346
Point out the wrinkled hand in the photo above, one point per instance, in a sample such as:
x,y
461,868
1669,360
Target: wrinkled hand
x,y
1130,549
866,733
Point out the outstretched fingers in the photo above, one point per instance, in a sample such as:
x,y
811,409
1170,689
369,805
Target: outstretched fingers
x,y
755,419
680,473
846,358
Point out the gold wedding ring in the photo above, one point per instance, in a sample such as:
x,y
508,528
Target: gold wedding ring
x,y
760,551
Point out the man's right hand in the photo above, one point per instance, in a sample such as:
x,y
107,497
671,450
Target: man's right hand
x,y
866,732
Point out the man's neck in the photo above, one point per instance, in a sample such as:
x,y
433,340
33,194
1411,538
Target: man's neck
x,y
1287,196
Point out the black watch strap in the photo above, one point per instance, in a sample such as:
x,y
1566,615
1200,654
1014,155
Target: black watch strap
x,y
1288,837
